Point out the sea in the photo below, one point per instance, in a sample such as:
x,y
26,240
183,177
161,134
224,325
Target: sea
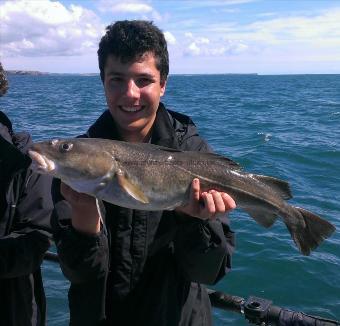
x,y
285,126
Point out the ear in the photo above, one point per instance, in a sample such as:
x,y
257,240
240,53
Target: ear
x,y
163,86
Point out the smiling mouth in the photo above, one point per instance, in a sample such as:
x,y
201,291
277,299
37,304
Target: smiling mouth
x,y
131,109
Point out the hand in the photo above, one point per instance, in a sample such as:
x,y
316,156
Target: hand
x,y
215,203
85,215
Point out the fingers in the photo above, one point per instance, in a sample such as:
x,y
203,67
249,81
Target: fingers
x,y
66,191
206,205
209,208
216,203
85,214
229,202
73,196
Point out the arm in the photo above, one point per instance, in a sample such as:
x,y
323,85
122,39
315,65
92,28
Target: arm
x,y
23,249
204,241
80,238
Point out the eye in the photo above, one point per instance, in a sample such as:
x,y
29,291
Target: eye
x,y
65,147
144,81
116,80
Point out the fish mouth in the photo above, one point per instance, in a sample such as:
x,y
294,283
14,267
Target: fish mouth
x,y
41,163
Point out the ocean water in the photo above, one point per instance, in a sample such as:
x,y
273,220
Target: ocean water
x,y
283,126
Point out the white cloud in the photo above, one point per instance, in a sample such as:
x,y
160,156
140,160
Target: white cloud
x,y
205,47
236,2
213,4
217,52
307,35
202,40
315,30
131,7
44,28
237,47
193,49
226,10
170,38
52,29
128,8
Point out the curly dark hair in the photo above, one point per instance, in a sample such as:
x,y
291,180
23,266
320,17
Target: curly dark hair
x,y
129,40
3,81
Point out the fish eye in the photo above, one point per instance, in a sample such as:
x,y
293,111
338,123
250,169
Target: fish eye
x,y
65,147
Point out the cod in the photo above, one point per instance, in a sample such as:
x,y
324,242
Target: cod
x,y
150,177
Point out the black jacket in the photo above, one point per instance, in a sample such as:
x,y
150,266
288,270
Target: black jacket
x,y
144,268
25,209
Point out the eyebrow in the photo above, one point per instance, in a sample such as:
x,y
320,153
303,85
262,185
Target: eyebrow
x,y
116,73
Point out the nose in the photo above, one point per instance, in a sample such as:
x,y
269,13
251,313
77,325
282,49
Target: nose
x,y
132,90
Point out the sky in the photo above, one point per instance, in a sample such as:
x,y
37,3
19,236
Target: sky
x,y
204,37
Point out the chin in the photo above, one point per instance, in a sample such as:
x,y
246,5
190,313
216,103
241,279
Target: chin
x,y
135,127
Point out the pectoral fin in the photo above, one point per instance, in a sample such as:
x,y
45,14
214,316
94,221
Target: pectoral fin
x,y
133,190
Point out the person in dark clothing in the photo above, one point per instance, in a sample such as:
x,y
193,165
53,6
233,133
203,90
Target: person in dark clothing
x,y
25,209
134,267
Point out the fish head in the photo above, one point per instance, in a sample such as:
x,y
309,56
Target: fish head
x,y
71,159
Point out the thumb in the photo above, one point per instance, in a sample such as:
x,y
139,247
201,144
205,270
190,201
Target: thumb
x,y
195,191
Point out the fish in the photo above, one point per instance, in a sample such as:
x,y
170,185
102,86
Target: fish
x,y
150,177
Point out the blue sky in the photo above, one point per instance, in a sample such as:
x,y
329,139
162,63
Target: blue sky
x,y
222,36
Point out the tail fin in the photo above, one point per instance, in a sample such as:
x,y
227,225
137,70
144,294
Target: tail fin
x,y
315,231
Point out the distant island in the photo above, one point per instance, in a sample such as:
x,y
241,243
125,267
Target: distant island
x,y
39,73
26,72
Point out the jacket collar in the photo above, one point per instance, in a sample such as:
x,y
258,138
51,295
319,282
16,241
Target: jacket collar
x,y
104,127
12,158
6,122
163,132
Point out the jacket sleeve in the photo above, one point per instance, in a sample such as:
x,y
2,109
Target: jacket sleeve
x,y
203,248
22,250
83,258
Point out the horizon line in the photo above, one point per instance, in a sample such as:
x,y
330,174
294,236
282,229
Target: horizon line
x,y
20,72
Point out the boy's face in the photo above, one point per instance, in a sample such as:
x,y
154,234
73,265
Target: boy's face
x,y
133,91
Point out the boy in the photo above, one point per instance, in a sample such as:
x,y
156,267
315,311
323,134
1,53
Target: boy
x,y
141,267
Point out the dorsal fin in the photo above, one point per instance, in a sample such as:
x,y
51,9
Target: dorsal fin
x,y
281,187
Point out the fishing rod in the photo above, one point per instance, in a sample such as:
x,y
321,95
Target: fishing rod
x,y
257,311
260,311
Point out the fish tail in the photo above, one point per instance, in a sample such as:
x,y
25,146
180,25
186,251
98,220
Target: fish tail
x,y
309,236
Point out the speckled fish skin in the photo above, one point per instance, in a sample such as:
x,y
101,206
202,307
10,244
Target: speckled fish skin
x,y
149,177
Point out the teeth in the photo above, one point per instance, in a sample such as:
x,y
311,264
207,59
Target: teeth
x,y
131,109
40,162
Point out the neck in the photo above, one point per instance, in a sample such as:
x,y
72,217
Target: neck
x,y
136,137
